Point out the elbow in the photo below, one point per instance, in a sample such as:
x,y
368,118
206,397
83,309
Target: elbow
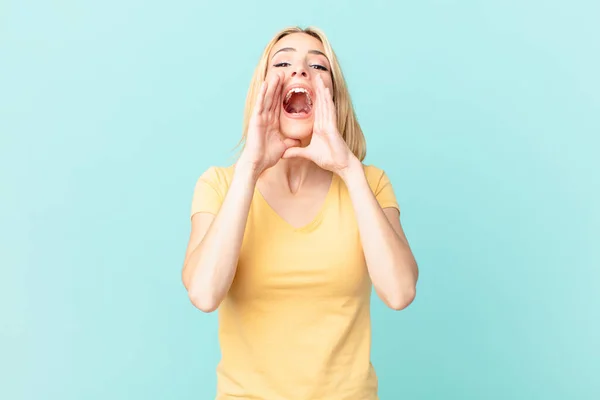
x,y
203,300
204,303
201,296
402,298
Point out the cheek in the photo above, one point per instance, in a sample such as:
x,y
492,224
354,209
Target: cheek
x,y
328,81
270,72
274,71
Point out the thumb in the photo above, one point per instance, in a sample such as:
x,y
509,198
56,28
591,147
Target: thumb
x,y
291,142
301,152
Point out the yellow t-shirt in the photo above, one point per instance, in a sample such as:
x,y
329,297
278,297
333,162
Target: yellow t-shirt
x,y
295,323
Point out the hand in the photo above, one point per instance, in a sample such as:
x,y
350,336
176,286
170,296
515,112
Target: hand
x,y
264,143
327,148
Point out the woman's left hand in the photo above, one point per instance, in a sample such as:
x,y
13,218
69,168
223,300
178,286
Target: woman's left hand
x,y
327,148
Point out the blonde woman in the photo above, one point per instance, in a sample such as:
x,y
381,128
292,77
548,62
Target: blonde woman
x,y
288,242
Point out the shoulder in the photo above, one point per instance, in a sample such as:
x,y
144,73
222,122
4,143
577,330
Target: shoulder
x,y
211,188
376,177
381,186
372,171
219,177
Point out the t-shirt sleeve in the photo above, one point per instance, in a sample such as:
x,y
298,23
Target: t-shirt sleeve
x,y
209,192
382,187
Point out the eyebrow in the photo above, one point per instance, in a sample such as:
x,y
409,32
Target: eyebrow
x,y
293,49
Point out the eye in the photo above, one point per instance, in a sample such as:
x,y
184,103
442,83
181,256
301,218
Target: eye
x,y
320,67
282,64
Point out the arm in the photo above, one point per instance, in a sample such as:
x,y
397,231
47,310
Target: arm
x,y
214,245
390,262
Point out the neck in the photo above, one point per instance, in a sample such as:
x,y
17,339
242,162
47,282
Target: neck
x,y
294,173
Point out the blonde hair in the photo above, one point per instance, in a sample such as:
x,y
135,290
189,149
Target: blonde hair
x,y
347,122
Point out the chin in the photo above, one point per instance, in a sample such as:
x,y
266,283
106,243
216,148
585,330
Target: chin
x,y
296,132
296,127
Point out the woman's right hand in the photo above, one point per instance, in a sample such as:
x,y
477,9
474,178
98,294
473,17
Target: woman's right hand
x,y
264,143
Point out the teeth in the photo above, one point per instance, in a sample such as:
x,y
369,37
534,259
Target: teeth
x,y
298,90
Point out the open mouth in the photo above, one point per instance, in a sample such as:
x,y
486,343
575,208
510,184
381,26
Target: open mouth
x,y
297,102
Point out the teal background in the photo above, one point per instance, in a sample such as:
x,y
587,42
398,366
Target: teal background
x,y
484,114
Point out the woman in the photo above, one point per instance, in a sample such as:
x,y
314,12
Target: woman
x,y
288,242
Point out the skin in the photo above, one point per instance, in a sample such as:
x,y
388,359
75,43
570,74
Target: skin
x,y
292,161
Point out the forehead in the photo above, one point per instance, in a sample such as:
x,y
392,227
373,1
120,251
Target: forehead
x,y
302,42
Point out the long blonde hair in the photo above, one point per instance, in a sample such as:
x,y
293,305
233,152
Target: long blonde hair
x,y
347,122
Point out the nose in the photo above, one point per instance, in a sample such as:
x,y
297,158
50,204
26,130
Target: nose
x,y
300,71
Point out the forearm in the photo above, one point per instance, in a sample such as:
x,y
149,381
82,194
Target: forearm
x,y
390,262
213,263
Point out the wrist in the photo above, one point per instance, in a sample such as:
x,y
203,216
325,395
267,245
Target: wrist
x,y
353,169
247,171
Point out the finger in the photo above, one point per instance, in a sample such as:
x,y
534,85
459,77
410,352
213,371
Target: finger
x,y
324,95
278,89
316,104
319,115
324,105
287,142
300,152
258,105
330,106
270,92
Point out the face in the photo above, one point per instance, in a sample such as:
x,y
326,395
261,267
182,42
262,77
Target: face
x,y
300,58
